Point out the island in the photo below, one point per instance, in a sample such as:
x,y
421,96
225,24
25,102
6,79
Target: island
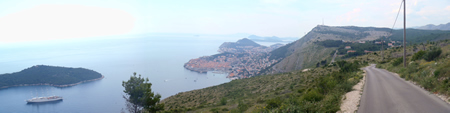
x,y
241,59
49,75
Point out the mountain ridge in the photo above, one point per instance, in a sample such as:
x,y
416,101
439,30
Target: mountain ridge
x,y
435,27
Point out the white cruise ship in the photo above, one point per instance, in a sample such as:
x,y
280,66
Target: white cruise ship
x,y
44,99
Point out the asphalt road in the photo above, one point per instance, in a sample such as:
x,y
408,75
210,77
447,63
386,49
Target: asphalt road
x,y
385,92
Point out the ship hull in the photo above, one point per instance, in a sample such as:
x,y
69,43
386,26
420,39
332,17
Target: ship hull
x,y
41,101
45,99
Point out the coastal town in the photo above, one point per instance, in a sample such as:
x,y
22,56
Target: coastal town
x,y
242,59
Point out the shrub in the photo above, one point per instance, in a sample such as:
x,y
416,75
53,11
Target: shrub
x,y
214,110
431,55
418,55
437,72
313,95
260,100
225,109
223,101
397,61
243,106
273,103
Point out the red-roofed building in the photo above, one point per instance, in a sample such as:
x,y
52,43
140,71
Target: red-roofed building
x,y
351,51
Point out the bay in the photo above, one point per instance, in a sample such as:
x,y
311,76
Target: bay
x,y
158,57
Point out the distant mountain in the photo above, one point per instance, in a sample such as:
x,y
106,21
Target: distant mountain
x,y
271,39
48,75
265,39
435,27
238,46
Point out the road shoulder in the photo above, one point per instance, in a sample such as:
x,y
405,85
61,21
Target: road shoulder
x,y
351,100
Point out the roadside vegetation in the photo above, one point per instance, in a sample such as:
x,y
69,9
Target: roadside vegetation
x,y
428,65
320,89
316,90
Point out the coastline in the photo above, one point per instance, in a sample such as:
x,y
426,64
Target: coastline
x,y
60,86
194,70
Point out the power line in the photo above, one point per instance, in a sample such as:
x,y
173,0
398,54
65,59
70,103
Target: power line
x,y
395,21
397,16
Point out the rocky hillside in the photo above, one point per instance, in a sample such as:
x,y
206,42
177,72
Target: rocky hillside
x,y
305,53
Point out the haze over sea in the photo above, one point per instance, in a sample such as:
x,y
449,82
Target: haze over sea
x,y
160,57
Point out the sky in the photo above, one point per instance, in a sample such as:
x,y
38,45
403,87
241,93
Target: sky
x,y
36,20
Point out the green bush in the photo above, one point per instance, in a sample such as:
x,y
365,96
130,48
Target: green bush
x,y
223,101
418,55
225,109
437,72
313,95
273,103
397,61
214,110
243,106
433,54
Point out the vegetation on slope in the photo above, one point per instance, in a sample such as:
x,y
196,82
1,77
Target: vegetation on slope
x,y
317,90
240,43
427,65
42,74
293,57
415,36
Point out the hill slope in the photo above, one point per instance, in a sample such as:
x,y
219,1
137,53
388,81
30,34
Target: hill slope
x,y
48,75
317,90
242,43
304,53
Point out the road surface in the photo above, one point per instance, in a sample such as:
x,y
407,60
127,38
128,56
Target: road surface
x,y
385,92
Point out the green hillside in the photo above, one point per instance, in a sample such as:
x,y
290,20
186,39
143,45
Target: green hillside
x,y
427,64
419,36
42,74
306,52
320,89
320,43
240,43
316,90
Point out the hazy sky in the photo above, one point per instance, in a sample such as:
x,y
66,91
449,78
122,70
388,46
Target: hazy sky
x,y
30,20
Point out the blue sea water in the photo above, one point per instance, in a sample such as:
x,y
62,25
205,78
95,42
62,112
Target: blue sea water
x,y
158,57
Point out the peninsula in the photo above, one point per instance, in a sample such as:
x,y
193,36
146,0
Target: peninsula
x,y
49,75
241,59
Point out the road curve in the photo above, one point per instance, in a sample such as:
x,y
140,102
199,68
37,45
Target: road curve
x,y
385,92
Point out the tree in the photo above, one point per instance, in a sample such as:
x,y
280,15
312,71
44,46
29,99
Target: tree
x,y
139,95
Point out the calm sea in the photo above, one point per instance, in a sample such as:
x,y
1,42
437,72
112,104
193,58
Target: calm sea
x,y
158,57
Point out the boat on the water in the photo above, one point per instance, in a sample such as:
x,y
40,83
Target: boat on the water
x,y
44,99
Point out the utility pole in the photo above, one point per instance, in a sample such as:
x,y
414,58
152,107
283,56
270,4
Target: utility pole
x,y
382,57
404,33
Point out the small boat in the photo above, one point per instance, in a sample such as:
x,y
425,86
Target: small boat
x,y
44,99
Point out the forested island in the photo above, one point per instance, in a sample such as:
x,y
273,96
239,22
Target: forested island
x,y
49,75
